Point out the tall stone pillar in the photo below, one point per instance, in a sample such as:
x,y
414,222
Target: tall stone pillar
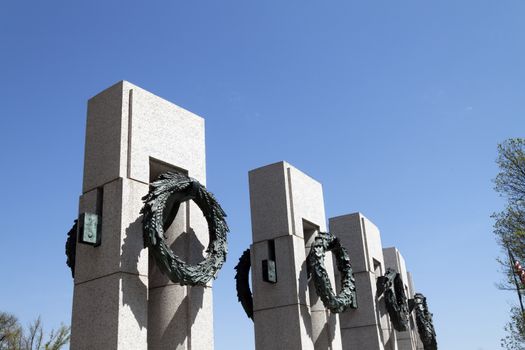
x,y
368,327
408,339
287,211
121,300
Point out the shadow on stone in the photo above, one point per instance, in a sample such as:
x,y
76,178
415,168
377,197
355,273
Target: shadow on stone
x,y
332,322
306,317
178,330
173,308
381,312
194,247
134,291
326,318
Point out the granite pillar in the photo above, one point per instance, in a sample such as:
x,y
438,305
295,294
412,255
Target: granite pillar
x,y
287,211
121,301
368,327
407,340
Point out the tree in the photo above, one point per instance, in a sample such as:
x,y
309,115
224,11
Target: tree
x,y
9,331
509,228
515,338
14,337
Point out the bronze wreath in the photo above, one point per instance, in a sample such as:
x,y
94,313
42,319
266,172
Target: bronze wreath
x,y
242,283
347,296
396,302
71,248
160,208
425,325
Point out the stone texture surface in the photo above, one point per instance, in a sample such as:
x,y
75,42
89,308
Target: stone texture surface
x,y
166,132
99,303
131,137
121,247
95,311
201,316
368,327
269,202
291,274
325,330
366,337
396,261
284,327
306,199
127,125
287,207
180,317
166,331
361,238
133,312
411,287
106,137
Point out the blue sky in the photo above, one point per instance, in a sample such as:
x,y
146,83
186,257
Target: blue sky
x,y
396,107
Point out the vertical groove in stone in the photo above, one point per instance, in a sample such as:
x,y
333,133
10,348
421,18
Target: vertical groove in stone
x,y
130,126
367,253
290,198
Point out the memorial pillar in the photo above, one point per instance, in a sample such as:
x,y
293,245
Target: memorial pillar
x,y
368,327
408,339
121,300
287,211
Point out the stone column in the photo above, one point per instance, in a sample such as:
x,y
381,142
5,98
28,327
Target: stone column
x,y
287,211
368,327
393,259
131,137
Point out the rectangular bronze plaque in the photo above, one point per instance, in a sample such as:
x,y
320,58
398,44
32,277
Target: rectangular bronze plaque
x,y
89,229
269,271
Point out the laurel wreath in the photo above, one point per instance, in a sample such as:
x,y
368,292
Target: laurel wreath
x,y
71,248
347,296
242,284
425,325
395,299
160,208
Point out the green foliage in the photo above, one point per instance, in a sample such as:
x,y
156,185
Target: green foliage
x,y
510,180
515,339
509,225
10,332
14,337
509,228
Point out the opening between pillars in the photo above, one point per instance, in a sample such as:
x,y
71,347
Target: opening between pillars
x,y
180,234
310,231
